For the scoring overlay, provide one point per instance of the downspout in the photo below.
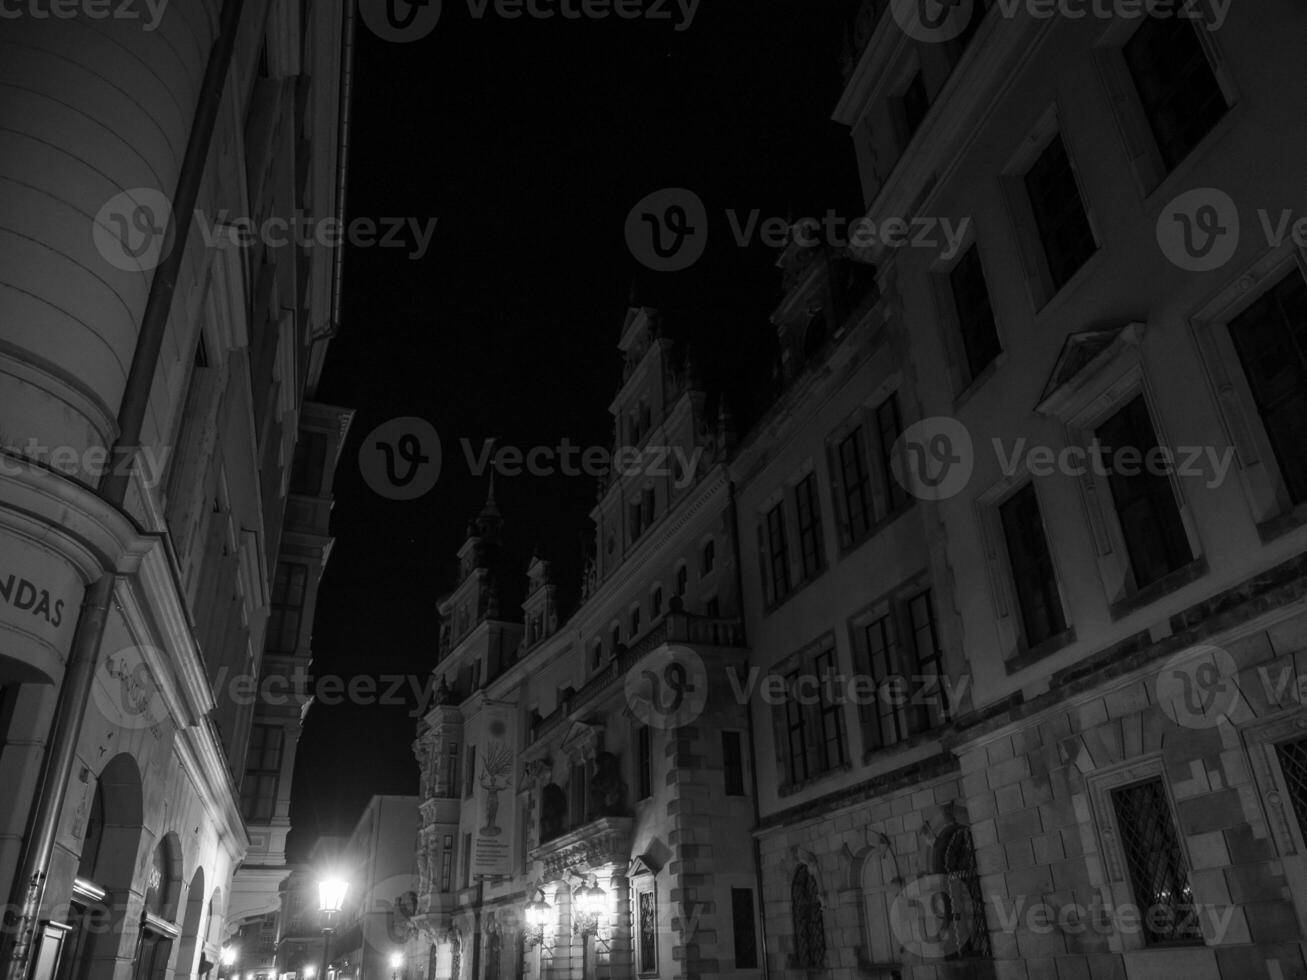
(342, 164)
(28, 891)
(753, 750)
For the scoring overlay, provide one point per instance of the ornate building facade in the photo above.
(156, 386)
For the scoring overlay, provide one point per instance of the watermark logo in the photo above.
(667, 231)
(401, 459)
(1198, 687)
(305, 230)
(132, 231)
(149, 12)
(932, 917)
(668, 688)
(1199, 230)
(933, 21)
(933, 458)
(127, 693)
(401, 21)
(1211, 13)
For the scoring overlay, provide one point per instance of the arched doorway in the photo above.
(159, 930)
(190, 955)
(110, 842)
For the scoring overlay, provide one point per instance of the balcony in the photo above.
(600, 842)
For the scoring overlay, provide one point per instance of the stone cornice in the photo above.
(600, 842)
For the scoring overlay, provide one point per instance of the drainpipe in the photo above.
(342, 162)
(753, 751)
(28, 891)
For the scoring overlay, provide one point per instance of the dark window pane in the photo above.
(733, 763)
(809, 923)
(1177, 87)
(853, 474)
(975, 315)
(1271, 339)
(310, 460)
(744, 929)
(778, 553)
(1059, 213)
(1145, 506)
(913, 105)
(810, 544)
(1158, 872)
(890, 427)
(1032, 566)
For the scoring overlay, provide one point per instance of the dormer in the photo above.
(540, 610)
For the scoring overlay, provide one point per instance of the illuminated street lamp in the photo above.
(396, 962)
(537, 916)
(227, 959)
(331, 899)
(310, 971)
(590, 905)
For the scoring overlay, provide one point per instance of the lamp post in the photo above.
(396, 962)
(590, 904)
(227, 959)
(331, 899)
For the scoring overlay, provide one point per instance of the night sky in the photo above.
(530, 141)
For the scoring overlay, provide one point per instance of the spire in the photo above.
(489, 521)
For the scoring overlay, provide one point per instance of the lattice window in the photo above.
(809, 923)
(1293, 762)
(648, 926)
(494, 949)
(957, 861)
(1159, 874)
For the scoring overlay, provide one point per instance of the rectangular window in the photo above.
(470, 773)
(467, 860)
(309, 464)
(644, 761)
(900, 650)
(796, 728)
(744, 929)
(1271, 340)
(1293, 763)
(580, 808)
(830, 713)
(1159, 874)
(733, 763)
(447, 864)
(647, 914)
(288, 586)
(451, 772)
(974, 312)
(778, 557)
(889, 425)
(1059, 213)
(1032, 566)
(810, 543)
(856, 485)
(1177, 88)
(262, 773)
(1145, 505)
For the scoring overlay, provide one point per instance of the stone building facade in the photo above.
(155, 381)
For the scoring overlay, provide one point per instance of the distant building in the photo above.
(162, 462)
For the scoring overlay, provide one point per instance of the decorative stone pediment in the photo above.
(601, 842)
(582, 741)
(643, 864)
(536, 773)
(1083, 356)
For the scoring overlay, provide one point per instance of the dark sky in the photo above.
(530, 141)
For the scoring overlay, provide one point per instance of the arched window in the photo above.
(809, 923)
(955, 858)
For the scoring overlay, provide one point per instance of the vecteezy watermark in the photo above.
(1103, 917)
(667, 231)
(1200, 229)
(934, 916)
(404, 21)
(135, 232)
(809, 690)
(306, 230)
(402, 459)
(668, 688)
(939, 21)
(934, 459)
(149, 12)
(89, 464)
(1199, 687)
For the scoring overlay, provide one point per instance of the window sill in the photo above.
(1282, 523)
(875, 529)
(1164, 586)
(1031, 655)
(789, 789)
(911, 742)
